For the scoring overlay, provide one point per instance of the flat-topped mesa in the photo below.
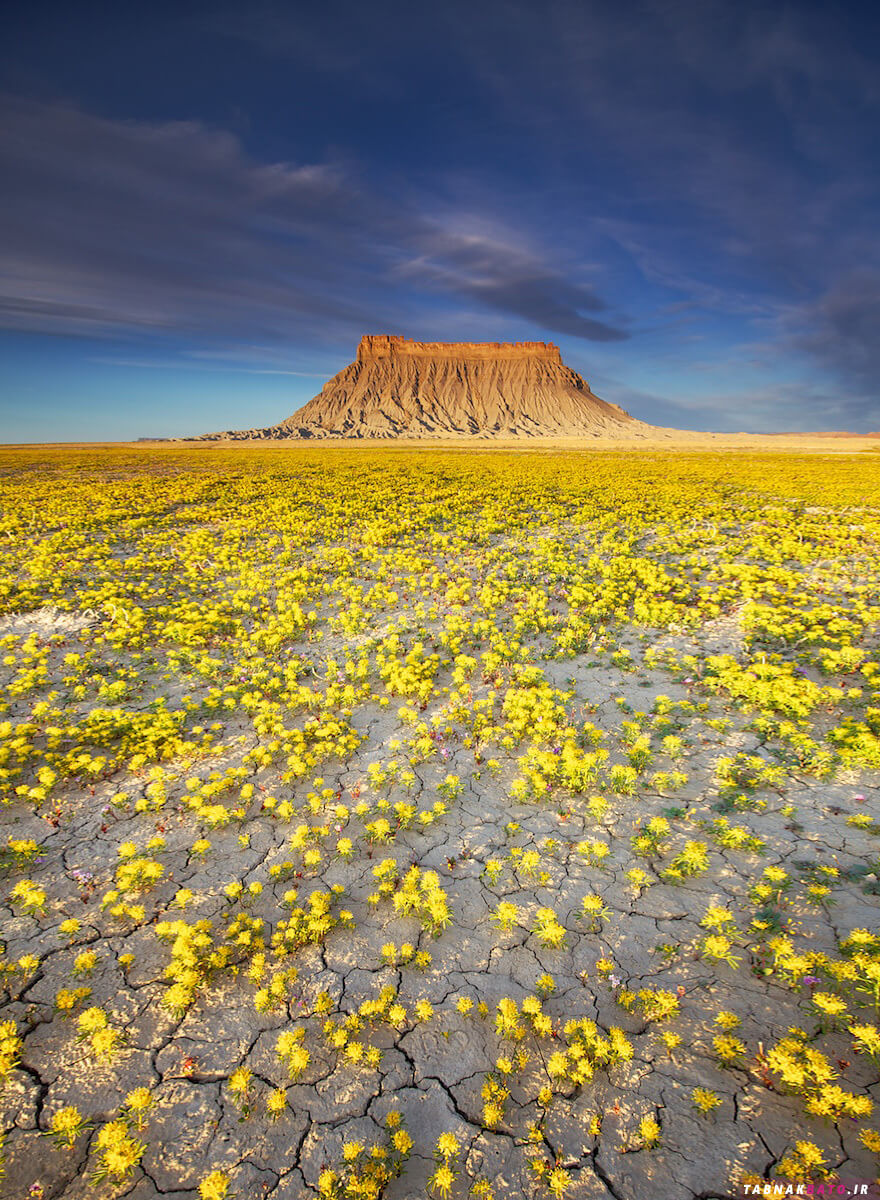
(397, 388)
(387, 345)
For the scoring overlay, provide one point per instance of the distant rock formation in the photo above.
(400, 388)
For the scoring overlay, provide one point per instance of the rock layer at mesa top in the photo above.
(402, 388)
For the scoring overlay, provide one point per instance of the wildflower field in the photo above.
(447, 823)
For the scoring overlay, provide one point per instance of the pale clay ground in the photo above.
(433, 1072)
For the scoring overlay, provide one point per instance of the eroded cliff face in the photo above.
(401, 388)
(387, 345)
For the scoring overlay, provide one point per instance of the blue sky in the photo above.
(206, 205)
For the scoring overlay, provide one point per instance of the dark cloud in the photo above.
(739, 140)
(112, 226)
(842, 331)
(779, 408)
(497, 272)
(751, 131)
(504, 169)
(774, 408)
(548, 302)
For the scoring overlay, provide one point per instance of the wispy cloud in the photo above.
(113, 226)
(739, 139)
(182, 364)
(685, 185)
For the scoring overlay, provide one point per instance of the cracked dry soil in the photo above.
(452, 807)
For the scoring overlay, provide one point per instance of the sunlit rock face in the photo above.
(401, 388)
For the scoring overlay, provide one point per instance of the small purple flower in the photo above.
(614, 980)
(810, 980)
(859, 799)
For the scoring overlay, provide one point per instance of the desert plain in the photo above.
(451, 820)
